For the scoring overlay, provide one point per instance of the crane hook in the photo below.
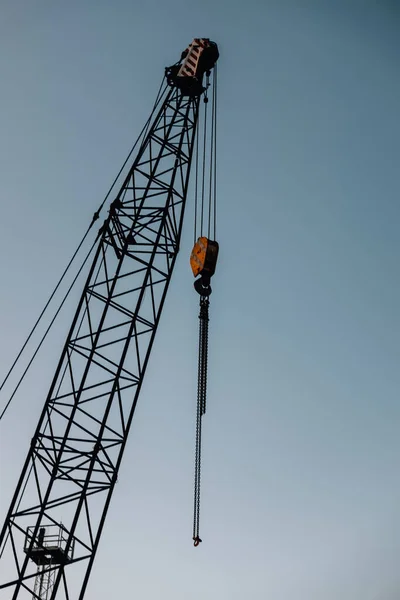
(197, 541)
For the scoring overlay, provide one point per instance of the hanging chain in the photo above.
(201, 409)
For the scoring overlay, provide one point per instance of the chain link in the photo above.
(201, 409)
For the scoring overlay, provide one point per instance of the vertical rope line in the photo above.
(215, 149)
(204, 167)
(211, 168)
(196, 191)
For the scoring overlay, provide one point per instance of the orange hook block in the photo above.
(203, 259)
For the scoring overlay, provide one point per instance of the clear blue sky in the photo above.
(301, 471)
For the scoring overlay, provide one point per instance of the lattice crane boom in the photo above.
(75, 453)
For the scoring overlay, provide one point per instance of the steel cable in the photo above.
(215, 148)
(94, 219)
(47, 331)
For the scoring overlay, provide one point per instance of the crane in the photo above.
(54, 523)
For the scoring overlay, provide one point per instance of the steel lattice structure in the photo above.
(77, 447)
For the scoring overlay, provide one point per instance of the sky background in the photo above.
(301, 477)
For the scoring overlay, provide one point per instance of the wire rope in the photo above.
(196, 179)
(215, 148)
(203, 166)
(94, 219)
(47, 331)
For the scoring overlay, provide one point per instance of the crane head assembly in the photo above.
(198, 58)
